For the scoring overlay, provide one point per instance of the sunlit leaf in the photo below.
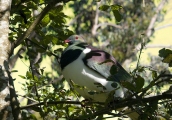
(22, 76)
(54, 40)
(14, 71)
(36, 78)
(115, 9)
(29, 75)
(46, 19)
(167, 59)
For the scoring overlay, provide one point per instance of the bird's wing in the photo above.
(101, 62)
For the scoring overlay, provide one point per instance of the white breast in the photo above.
(84, 76)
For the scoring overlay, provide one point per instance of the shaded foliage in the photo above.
(119, 38)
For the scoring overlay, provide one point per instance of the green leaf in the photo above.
(115, 9)
(167, 59)
(56, 10)
(47, 39)
(154, 74)
(141, 69)
(104, 7)
(58, 50)
(139, 83)
(113, 69)
(167, 55)
(54, 40)
(164, 52)
(36, 65)
(117, 15)
(14, 71)
(36, 78)
(46, 19)
(22, 76)
(42, 71)
(128, 85)
(29, 75)
(170, 64)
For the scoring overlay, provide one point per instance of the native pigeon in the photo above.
(87, 70)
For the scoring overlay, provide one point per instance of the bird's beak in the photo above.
(67, 41)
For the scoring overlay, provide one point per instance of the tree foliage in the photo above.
(39, 26)
(104, 28)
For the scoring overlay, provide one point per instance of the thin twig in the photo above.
(27, 97)
(151, 84)
(54, 103)
(94, 30)
(43, 48)
(164, 26)
(35, 85)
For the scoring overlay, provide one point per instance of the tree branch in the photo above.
(164, 26)
(57, 57)
(150, 28)
(153, 83)
(58, 102)
(126, 103)
(154, 18)
(25, 96)
(94, 30)
(158, 46)
(15, 57)
(50, 103)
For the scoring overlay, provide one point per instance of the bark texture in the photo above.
(5, 46)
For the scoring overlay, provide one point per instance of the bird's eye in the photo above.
(76, 37)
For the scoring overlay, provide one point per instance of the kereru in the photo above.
(89, 68)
